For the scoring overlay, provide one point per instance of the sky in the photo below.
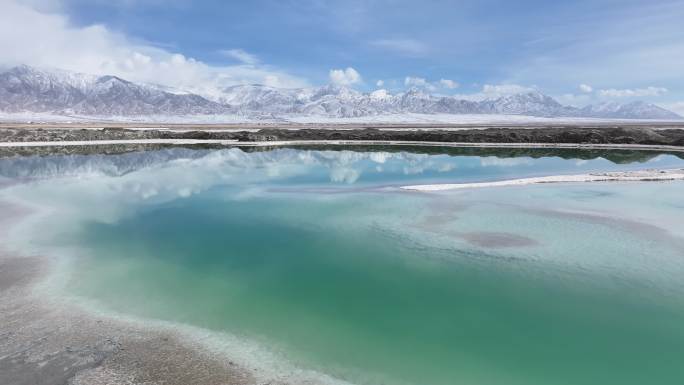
(579, 52)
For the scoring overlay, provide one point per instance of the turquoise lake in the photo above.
(316, 254)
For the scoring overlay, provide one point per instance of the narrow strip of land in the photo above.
(233, 142)
(465, 136)
(114, 142)
(617, 176)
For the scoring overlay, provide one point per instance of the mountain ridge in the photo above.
(28, 89)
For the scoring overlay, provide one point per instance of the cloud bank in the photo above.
(637, 92)
(240, 55)
(35, 34)
(640, 46)
(586, 88)
(345, 77)
(418, 82)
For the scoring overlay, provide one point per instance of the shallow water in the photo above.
(316, 255)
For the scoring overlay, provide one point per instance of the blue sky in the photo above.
(577, 51)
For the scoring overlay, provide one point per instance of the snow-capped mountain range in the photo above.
(26, 89)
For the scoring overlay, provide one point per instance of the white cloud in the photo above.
(418, 82)
(493, 91)
(344, 77)
(240, 55)
(448, 83)
(406, 47)
(412, 81)
(380, 83)
(505, 89)
(415, 81)
(38, 37)
(636, 92)
(586, 88)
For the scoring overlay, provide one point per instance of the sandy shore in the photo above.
(47, 340)
(44, 341)
(617, 176)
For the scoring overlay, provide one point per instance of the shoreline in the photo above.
(279, 143)
(610, 136)
(652, 175)
(48, 337)
(116, 142)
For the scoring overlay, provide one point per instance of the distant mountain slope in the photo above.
(342, 102)
(633, 110)
(27, 89)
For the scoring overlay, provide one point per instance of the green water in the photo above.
(562, 284)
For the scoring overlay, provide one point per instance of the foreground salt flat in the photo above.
(617, 176)
(51, 338)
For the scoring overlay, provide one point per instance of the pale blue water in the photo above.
(317, 255)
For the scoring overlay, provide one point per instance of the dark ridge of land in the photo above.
(555, 135)
(625, 134)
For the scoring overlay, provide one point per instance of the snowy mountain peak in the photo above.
(336, 91)
(633, 110)
(27, 89)
(416, 92)
(45, 79)
(380, 94)
(111, 79)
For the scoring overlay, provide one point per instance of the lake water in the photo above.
(314, 253)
